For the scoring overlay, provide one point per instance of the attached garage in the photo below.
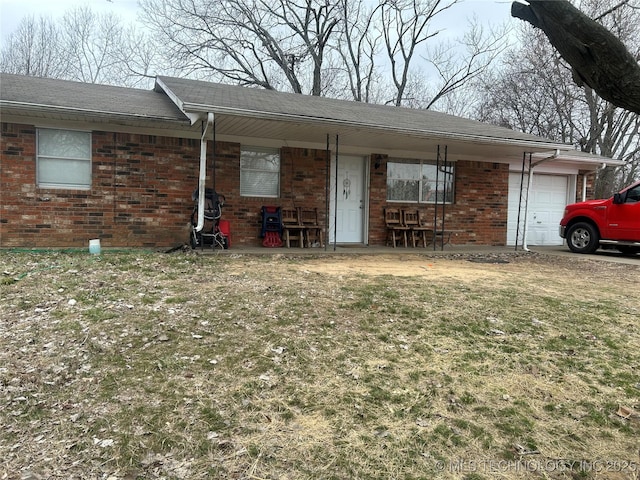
(549, 196)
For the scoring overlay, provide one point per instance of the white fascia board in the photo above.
(193, 116)
(55, 109)
(587, 160)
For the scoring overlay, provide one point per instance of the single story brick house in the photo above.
(82, 161)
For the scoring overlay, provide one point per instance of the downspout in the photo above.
(584, 181)
(525, 232)
(525, 247)
(203, 172)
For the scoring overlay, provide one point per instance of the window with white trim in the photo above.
(259, 172)
(419, 181)
(63, 159)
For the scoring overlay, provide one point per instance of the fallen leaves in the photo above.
(126, 366)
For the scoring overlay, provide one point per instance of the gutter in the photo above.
(195, 110)
(532, 166)
(262, 115)
(203, 172)
(38, 107)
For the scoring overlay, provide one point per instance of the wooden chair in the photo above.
(292, 229)
(417, 229)
(395, 225)
(313, 230)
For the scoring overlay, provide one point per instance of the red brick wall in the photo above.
(142, 185)
(140, 194)
(478, 214)
(589, 178)
(297, 189)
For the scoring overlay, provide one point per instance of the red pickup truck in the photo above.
(610, 223)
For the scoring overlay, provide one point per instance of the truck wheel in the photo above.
(583, 238)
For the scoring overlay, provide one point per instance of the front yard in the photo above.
(136, 365)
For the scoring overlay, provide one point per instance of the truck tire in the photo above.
(582, 237)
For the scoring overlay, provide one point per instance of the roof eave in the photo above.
(592, 161)
(27, 107)
(193, 117)
(201, 109)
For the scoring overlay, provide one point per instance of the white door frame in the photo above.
(364, 209)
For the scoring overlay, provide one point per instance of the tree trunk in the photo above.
(598, 58)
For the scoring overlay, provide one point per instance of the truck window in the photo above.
(633, 195)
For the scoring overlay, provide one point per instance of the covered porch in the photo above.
(337, 156)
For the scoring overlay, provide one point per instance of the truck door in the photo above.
(624, 218)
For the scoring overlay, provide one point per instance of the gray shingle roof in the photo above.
(201, 96)
(35, 92)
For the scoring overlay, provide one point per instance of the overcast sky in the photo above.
(12, 11)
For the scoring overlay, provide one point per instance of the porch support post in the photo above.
(435, 207)
(335, 204)
(524, 159)
(444, 194)
(213, 172)
(327, 193)
(525, 247)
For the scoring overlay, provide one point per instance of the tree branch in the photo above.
(599, 59)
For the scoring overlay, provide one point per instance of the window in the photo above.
(259, 172)
(64, 159)
(419, 181)
(633, 195)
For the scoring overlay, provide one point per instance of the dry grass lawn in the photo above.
(134, 365)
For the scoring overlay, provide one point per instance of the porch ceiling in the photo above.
(365, 139)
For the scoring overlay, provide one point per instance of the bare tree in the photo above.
(35, 48)
(458, 64)
(139, 60)
(272, 44)
(90, 42)
(358, 45)
(81, 46)
(426, 71)
(534, 92)
(406, 24)
(320, 47)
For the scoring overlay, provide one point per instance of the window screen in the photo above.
(259, 172)
(64, 159)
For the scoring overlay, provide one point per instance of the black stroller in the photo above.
(215, 232)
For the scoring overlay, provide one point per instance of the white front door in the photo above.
(346, 223)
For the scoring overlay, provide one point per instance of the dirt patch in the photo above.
(405, 266)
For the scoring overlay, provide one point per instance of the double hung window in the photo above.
(63, 159)
(259, 172)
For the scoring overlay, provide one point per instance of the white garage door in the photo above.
(546, 206)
